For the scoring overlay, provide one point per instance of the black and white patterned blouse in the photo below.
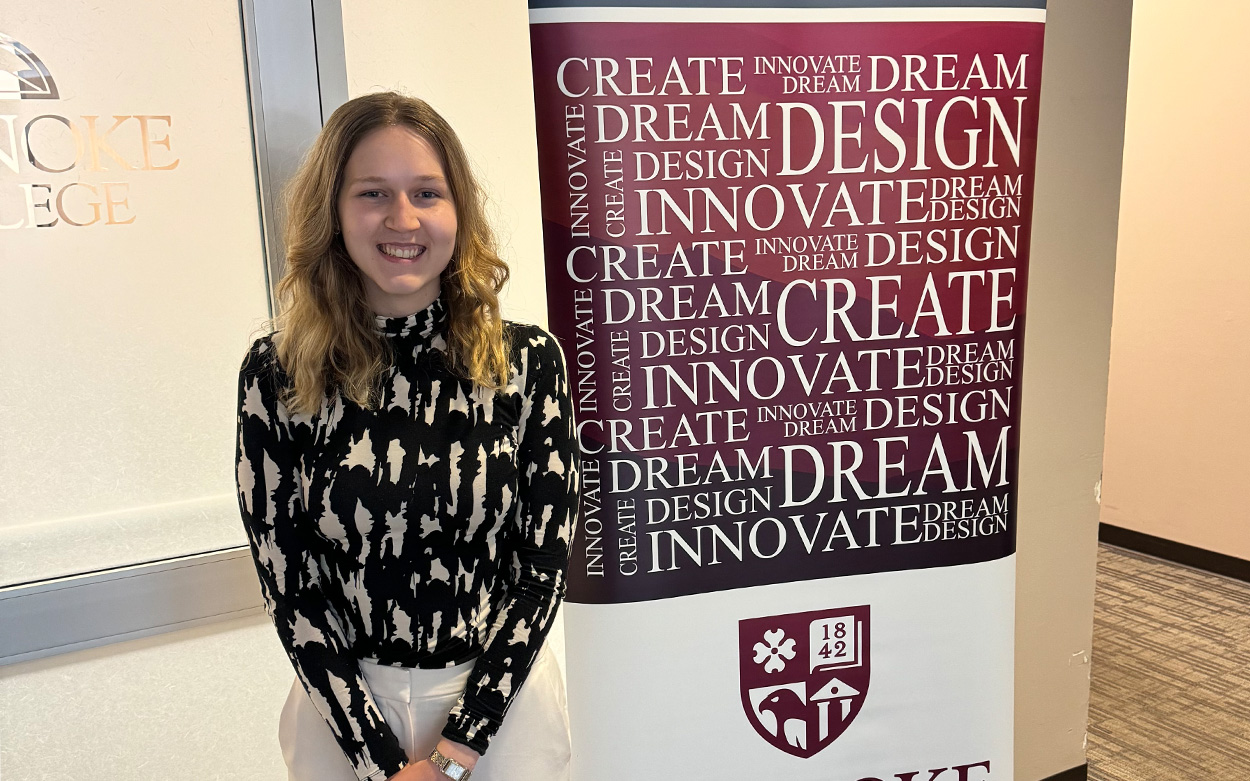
(429, 531)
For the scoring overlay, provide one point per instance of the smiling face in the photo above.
(398, 219)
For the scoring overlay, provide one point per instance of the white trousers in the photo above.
(531, 745)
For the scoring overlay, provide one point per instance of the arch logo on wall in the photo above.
(23, 76)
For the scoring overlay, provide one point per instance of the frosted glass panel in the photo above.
(131, 278)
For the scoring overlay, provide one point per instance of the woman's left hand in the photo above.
(419, 771)
(459, 752)
(425, 770)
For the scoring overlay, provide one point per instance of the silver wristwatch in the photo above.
(450, 767)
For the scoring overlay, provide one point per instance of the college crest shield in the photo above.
(804, 676)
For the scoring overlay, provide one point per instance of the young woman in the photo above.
(407, 470)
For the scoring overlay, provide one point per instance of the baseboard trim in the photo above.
(72, 613)
(1075, 774)
(1190, 556)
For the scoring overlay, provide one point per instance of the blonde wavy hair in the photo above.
(326, 336)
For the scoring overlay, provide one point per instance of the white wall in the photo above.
(199, 703)
(1067, 331)
(1178, 417)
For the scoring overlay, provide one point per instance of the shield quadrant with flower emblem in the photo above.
(804, 676)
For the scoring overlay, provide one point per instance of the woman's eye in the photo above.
(428, 194)
(371, 194)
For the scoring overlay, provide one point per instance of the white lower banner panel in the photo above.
(656, 687)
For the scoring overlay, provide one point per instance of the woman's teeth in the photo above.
(406, 253)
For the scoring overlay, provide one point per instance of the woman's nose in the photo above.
(404, 215)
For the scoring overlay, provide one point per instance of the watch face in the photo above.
(454, 771)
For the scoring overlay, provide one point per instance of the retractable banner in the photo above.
(786, 250)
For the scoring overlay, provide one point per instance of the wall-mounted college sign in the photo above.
(786, 247)
(38, 142)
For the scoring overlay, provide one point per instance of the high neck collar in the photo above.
(422, 325)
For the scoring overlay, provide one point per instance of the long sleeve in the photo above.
(270, 500)
(547, 505)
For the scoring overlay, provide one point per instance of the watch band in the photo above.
(450, 767)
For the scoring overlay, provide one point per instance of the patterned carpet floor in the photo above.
(1170, 693)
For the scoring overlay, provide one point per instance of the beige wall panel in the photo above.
(1178, 419)
(1065, 376)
